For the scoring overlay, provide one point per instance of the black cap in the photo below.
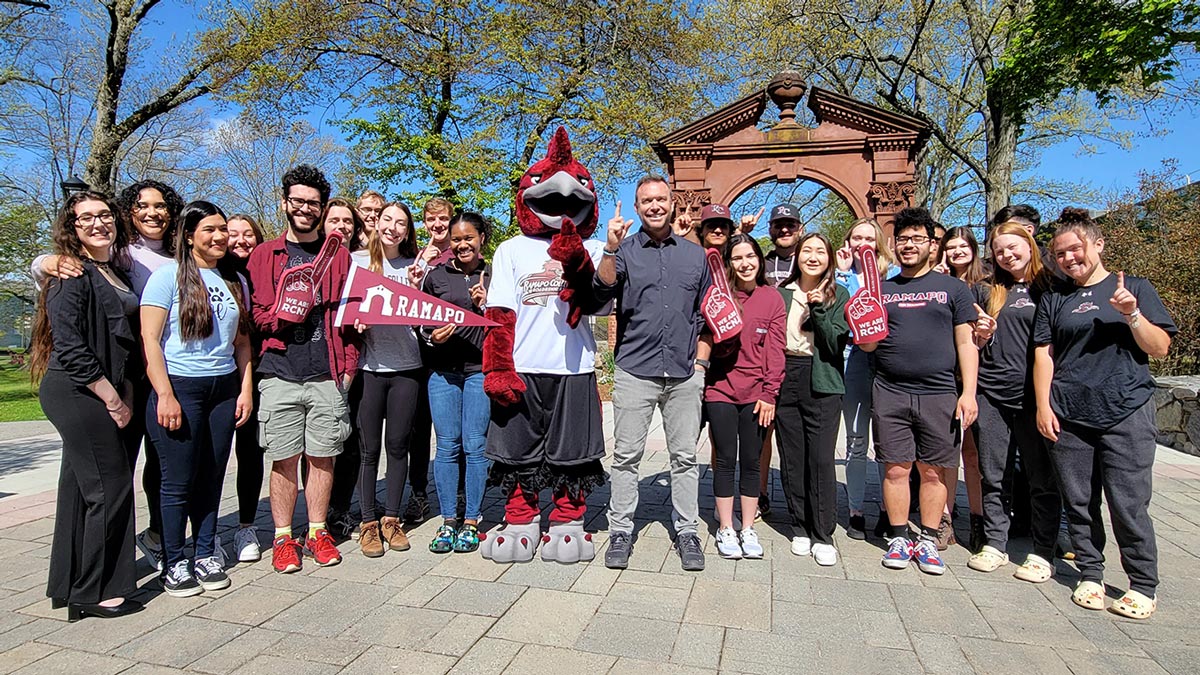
(784, 212)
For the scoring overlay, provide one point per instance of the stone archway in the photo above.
(863, 153)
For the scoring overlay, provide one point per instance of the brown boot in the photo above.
(945, 538)
(394, 535)
(369, 540)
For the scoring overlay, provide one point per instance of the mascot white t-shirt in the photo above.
(526, 280)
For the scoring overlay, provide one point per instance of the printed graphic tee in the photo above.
(306, 355)
(389, 349)
(1005, 363)
(195, 358)
(918, 356)
(526, 280)
(1101, 376)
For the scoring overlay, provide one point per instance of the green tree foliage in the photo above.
(1093, 45)
(1152, 233)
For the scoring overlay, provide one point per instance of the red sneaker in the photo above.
(285, 554)
(323, 549)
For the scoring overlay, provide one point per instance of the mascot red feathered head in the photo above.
(557, 188)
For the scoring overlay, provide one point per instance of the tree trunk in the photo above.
(1002, 132)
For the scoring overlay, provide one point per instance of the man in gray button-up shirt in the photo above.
(659, 281)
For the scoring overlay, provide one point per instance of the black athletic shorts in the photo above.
(557, 421)
(914, 427)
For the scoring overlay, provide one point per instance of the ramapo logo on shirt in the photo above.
(539, 288)
(1021, 302)
(1085, 307)
(908, 300)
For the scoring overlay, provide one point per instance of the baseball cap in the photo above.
(715, 212)
(784, 212)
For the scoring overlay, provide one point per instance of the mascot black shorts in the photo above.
(557, 421)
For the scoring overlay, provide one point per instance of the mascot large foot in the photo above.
(568, 543)
(511, 543)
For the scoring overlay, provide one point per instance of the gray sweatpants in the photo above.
(634, 402)
(1119, 460)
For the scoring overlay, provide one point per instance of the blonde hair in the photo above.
(437, 205)
(1002, 280)
(883, 257)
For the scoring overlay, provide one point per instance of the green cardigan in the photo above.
(830, 333)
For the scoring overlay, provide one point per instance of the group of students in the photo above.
(163, 330)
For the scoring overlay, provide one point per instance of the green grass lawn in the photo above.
(18, 397)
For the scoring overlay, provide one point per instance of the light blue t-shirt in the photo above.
(198, 358)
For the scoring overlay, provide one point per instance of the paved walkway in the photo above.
(416, 612)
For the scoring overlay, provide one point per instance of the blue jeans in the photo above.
(193, 459)
(461, 413)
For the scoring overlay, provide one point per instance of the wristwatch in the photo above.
(703, 363)
(608, 252)
(1134, 317)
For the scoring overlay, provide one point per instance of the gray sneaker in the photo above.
(691, 555)
(620, 545)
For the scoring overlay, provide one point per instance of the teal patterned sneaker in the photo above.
(443, 541)
(467, 539)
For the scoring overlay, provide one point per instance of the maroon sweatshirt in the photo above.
(751, 370)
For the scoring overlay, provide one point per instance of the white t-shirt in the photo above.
(526, 280)
(389, 349)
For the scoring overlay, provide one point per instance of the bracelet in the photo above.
(1136, 312)
(608, 252)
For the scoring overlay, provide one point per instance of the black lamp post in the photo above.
(73, 184)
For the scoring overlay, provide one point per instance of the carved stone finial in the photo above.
(786, 89)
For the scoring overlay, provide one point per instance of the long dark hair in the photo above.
(66, 243)
(129, 198)
(759, 279)
(828, 277)
(408, 245)
(974, 272)
(195, 307)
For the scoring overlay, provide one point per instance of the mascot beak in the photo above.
(560, 196)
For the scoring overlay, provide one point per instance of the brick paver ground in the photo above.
(416, 612)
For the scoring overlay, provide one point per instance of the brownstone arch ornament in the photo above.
(863, 153)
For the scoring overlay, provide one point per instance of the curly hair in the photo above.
(130, 196)
(308, 176)
(914, 217)
(1078, 221)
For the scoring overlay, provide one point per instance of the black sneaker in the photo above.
(418, 508)
(211, 574)
(178, 581)
(764, 506)
(691, 554)
(857, 528)
(341, 524)
(620, 545)
(882, 527)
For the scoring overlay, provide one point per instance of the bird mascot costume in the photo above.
(539, 364)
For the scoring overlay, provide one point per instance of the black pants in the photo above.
(806, 427)
(419, 440)
(151, 472)
(193, 460)
(348, 464)
(1120, 461)
(250, 466)
(737, 437)
(1003, 434)
(391, 397)
(91, 557)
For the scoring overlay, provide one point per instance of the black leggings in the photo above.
(348, 464)
(390, 396)
(737, 437)
(418, 442)
(249, 466)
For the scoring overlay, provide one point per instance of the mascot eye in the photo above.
(534, 179)
(583, 180)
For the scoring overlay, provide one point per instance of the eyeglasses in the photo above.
(365, 210)
(917, 239)
(89, 219)
(297, 203)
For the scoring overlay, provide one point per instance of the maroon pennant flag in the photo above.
(297, 290)
(720, 311)
(865, 312)
(373, 299)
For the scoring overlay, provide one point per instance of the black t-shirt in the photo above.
(1005, 363)
(778, 268)
(306, 356)
(1101, 376)
(918, 356)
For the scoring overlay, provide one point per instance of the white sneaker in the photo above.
(750, 546)
(825, 554)
(245, 542)
(728, 545)
(801, 546)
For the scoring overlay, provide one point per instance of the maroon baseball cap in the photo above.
(715, 212)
